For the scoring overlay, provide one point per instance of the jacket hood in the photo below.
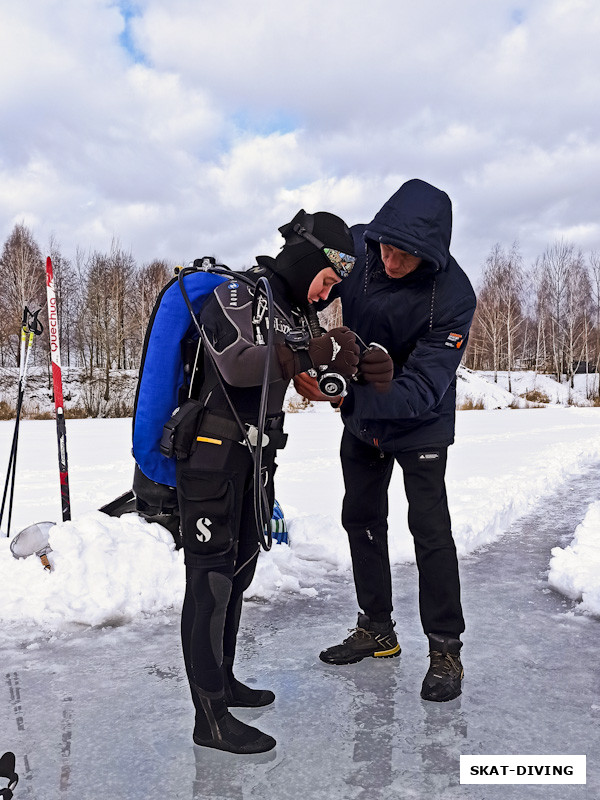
(416, 219)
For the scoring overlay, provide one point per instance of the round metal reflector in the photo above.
(31, 539)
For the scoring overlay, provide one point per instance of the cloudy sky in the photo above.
(193, 127)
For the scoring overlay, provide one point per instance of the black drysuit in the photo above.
(215, 483)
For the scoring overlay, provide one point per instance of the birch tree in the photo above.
(499, 315)
(22, 283)
(568, 300)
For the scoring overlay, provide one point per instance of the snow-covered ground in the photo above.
(111, 570)
(527, 389)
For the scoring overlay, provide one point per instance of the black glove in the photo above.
(377, 367)
(336, 350)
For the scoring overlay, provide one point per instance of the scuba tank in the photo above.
(165, 372)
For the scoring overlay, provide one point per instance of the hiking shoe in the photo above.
(443, 679)
(376, 639)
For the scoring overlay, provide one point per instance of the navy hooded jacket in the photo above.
(422, 319)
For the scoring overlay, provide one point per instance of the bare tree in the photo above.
(487, 330)
(150, 281)
(499, 315)
(594, 262)
(579, 312)
(123, 278)
(512, 279)
(555, 263)
(84, 338)
(568, 299)
(534, 330)
(21, 283)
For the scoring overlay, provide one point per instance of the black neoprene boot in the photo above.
(216, 727)
(443, 679)
(238, 695)
(376, 639)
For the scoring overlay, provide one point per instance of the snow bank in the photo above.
(317, 548)
(575, 570)
(105, 571)
(80, 392)
(524, 381)
(472, 388)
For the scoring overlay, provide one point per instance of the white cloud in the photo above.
(239, 113)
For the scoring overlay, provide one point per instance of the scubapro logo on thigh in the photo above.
(203, 525)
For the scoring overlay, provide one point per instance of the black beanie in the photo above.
(302, 256)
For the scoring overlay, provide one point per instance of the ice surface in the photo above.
(98, 713)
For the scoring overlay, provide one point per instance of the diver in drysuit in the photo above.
(215, 482)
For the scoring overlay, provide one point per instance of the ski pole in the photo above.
(18, 413)
(30, 327)
(61, 429)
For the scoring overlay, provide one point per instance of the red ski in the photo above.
(61, 429)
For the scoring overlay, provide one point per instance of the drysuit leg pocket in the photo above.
(207, 507)
(180, 430)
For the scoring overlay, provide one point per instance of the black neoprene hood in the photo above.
(301, 258)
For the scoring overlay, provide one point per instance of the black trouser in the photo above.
(220, 541)
(367, 473)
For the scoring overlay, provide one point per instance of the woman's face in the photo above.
(321, 284)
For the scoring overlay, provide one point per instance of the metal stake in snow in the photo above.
(61, 430)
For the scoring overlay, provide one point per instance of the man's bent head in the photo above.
(398, 263)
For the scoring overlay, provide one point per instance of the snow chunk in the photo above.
(575, 570)
(318, 546)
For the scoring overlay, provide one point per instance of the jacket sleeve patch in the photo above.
(455, 340)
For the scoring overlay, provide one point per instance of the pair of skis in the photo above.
(31, 327)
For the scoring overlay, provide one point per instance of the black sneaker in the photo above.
(443, 679)
(376, 639)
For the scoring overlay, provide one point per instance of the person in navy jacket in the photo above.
(408, 296)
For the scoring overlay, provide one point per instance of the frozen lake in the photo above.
(106, 713)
